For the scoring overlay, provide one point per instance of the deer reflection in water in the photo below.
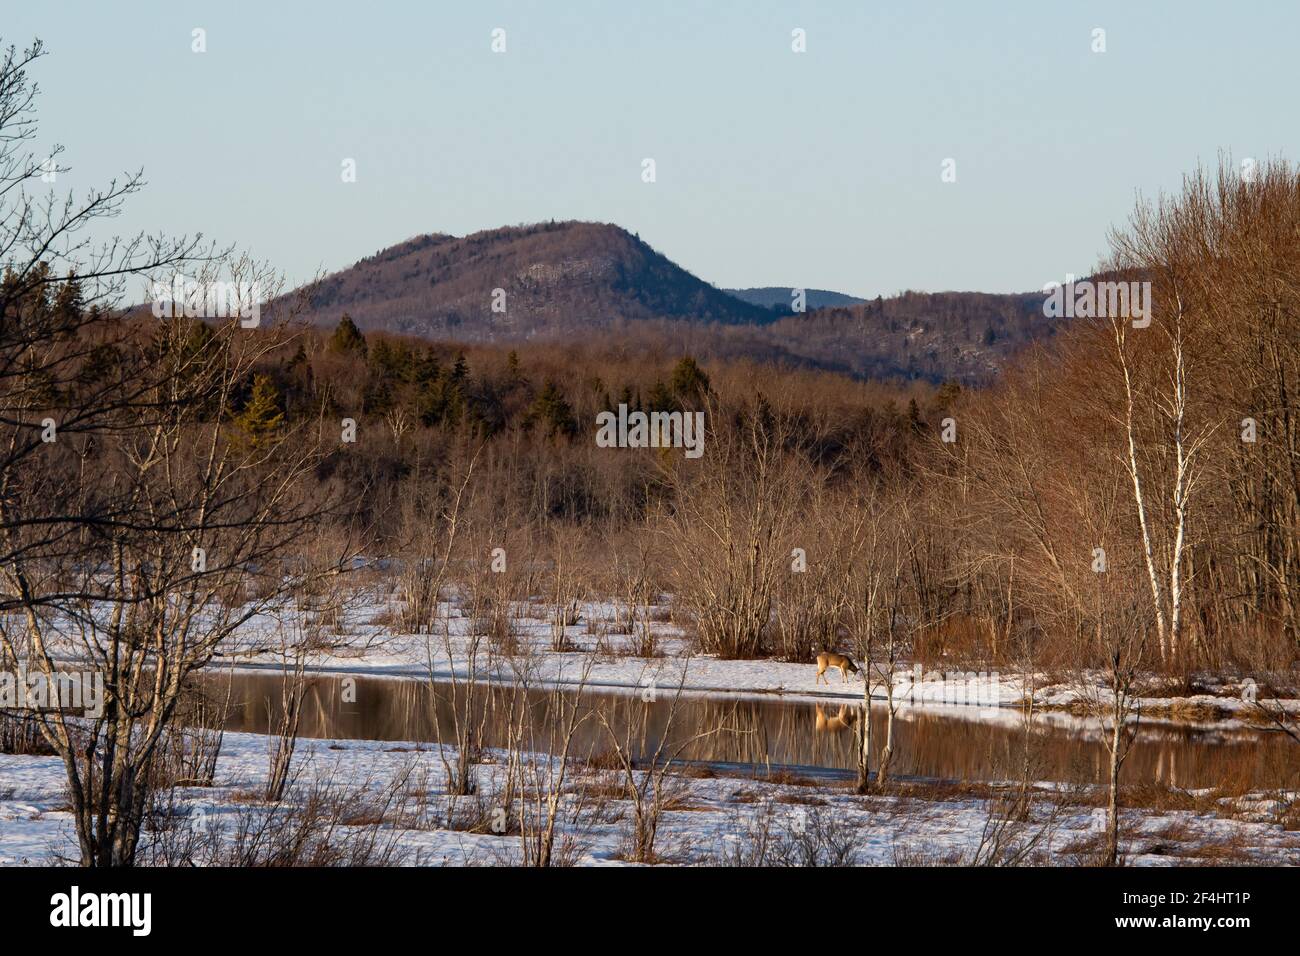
(841, 721)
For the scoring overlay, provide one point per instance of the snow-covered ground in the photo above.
(601, 654)
(711, 820)
(600, 657)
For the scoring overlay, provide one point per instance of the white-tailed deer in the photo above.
(827, 660)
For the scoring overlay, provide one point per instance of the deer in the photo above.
(826, 660)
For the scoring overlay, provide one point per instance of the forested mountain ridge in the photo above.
(565, 280)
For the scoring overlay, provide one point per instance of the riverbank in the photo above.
(597, 657)
(391, 799)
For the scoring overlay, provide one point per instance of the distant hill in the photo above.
(778, 298)
(961, 336)
(572, 280)
(553, 277)
(965, 336)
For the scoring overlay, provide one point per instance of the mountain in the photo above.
(553, 278)
(569, 281)
(778, 298)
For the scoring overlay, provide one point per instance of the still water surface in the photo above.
(767, 733)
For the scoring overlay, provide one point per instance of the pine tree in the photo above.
(661, 399)
(689, 382)
(946, 396)
(69, 303)
(553, 411)
(347, 337)
(459, 369)
(260, 422)
(914, 416)
(384, 357)
(442, 401)
(424, 371)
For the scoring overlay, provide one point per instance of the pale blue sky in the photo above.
(819, 169)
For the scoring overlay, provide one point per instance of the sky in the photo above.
(816, 169)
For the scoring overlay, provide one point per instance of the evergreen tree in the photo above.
(424, 371)
(260, 422)
(347, 338)
(553, 412)
(69, 303)
(299, 359)
(661, 399)
(914, 416)
(442, 401)
(946, 396)
(689, 382)
(459, 370)
(180, 346)
(378, 395)
(383, 357)
(298, 376)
